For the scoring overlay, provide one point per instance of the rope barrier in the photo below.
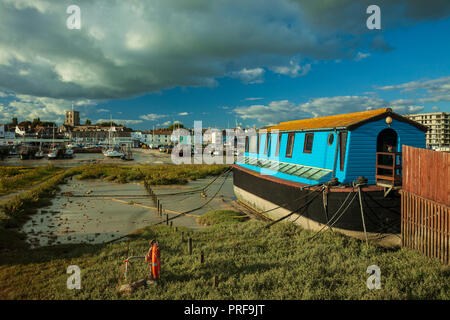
(295, 211)
(180, 214)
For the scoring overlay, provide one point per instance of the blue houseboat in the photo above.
(342, 171)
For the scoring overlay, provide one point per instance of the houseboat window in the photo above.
(290, 145)
(330, 139)
(307, 147)
(267, 146)
(277, 151)
(342, 147)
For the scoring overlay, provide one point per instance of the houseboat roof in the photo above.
(348, 121)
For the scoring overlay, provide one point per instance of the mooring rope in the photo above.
(181, 213)
(337, 211)
(296, 211)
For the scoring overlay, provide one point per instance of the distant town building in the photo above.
(72, 118)
(438, 136)
(100, 137)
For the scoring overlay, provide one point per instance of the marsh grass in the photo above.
(250, 262)
(156, 175)
(16, 178)
(221, 217)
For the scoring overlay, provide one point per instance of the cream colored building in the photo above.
(72, 118)
(438, 136)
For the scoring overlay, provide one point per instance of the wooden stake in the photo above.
(167, 219)
(190, 245)
(215, 282)
(182, 237)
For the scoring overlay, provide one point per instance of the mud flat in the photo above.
(86, 211)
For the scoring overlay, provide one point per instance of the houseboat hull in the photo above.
(275, 198)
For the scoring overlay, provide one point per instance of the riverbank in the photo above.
(249, 261)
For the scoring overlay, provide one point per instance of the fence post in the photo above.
(190, 246)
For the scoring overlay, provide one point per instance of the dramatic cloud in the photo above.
(434, 90)
(284, 110)
(27, 107)
(128, 47)
(272, 113)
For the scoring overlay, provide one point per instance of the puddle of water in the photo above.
(72, 219)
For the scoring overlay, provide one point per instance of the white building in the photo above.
(438, 135)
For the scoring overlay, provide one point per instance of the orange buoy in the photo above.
(156, 266)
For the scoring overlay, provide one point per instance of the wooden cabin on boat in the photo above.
(344, 146)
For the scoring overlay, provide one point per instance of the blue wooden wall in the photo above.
(360, 154)
(362, 146)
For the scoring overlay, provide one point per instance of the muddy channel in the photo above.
(94, 211)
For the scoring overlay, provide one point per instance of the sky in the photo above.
(151, 63)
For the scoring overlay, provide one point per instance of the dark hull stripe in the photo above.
(382, 215)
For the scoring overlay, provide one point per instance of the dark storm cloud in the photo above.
(127, 48)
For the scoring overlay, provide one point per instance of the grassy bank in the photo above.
(221, 217)
(16, 178)
(251, 263)
(156, 175)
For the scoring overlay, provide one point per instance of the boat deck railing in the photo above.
(388, 168)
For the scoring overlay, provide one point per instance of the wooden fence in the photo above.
(425, 202)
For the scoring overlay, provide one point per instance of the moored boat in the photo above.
(311, 171)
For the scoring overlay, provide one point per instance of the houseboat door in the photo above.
(388, 159)
(387, 141)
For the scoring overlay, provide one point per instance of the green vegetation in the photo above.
(155, 175)
(15, 178)
(14, 212)
(250, 262)
(221, 216)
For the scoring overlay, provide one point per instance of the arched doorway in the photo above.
(388, 167)
(387, 141)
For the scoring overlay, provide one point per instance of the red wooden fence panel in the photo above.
(425, 202)
(426, 173)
